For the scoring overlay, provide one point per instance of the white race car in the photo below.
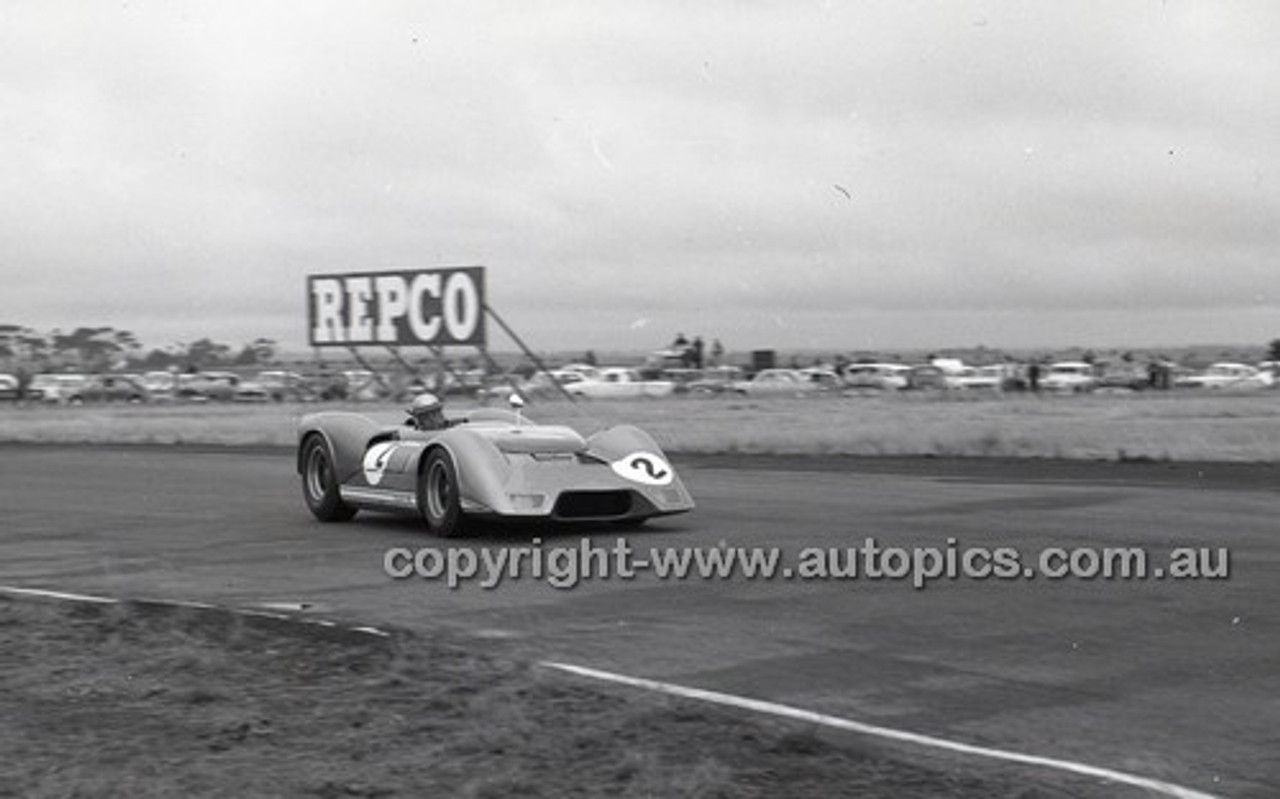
(489, 463)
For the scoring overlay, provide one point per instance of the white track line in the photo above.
(178, 603)
(98, 600)
(785, 711)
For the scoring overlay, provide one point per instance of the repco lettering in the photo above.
(432, 307)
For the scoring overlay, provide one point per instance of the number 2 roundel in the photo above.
(644, 467)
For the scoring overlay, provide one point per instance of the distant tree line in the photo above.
(103, 349)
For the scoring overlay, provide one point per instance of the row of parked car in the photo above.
(227, 387)
(1059, 377)
(213, 386)
(617, 382)
(591, 382)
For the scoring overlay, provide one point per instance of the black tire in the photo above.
(320, 483)
(439, 499)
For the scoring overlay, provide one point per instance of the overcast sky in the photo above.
(841, 175)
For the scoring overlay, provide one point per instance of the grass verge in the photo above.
(1174, 426)
(140, 701)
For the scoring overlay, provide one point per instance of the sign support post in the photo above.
(537, 362)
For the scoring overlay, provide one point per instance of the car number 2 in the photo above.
(644, 467)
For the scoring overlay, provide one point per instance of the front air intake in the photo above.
(593, 505)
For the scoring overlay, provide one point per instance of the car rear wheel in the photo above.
(438, 497)
(320, 483)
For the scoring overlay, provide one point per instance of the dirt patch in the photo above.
(131, 700)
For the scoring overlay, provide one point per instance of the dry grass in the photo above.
(131, 702)
(1157, 427)
(1177, 426)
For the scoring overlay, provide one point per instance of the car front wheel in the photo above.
(439, 499)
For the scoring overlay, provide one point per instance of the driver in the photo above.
(427, 413)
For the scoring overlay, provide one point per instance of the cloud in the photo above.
(184, 165)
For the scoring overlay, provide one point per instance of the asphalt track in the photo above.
(1174, 680)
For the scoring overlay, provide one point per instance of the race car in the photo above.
(487, 463)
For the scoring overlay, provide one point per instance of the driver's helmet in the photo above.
(427, 412)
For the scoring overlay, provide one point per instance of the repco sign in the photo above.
(432, 307)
